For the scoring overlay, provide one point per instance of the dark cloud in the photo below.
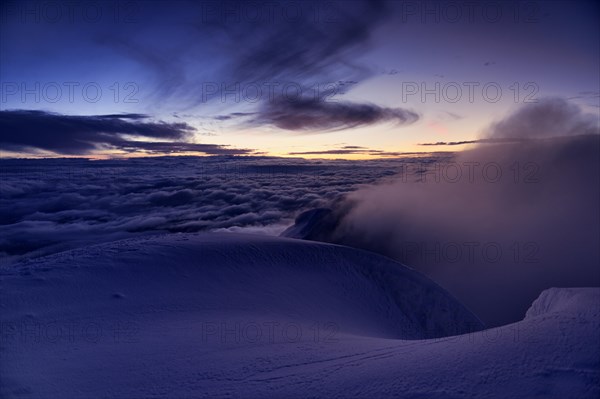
(320, 63)
(233, 115)
(326, 51)
(175, 147)
(479, 141)
(118, 116)
(316, 115)
(24, 130)
(331, 152)
(353, 150)
(450, 143)
(549, 117)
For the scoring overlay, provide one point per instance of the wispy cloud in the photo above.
(327, 52)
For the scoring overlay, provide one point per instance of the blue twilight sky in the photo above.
(346, 79)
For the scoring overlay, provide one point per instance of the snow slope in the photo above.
(315, 225)
(215, 315)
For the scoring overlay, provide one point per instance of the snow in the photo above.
(221, 315)
(313, 224)
(555, 299)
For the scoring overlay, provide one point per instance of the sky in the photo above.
(387, 88)
(328, 79)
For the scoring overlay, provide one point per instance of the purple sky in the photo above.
(314, 79)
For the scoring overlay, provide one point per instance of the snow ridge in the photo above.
(553, 300)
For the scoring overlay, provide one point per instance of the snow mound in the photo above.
(255, 277)
(554, 300)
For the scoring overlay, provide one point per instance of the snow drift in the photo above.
(221, 315)
(250, 276)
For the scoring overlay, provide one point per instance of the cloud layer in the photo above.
(55, 204)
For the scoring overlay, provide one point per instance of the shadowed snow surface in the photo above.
(213, 315)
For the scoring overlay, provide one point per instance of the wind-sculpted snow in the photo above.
(226, 315)
(558, 299)
(356, 291)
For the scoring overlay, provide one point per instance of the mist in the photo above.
(499, 223)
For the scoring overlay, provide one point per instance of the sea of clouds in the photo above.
(50, 205)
